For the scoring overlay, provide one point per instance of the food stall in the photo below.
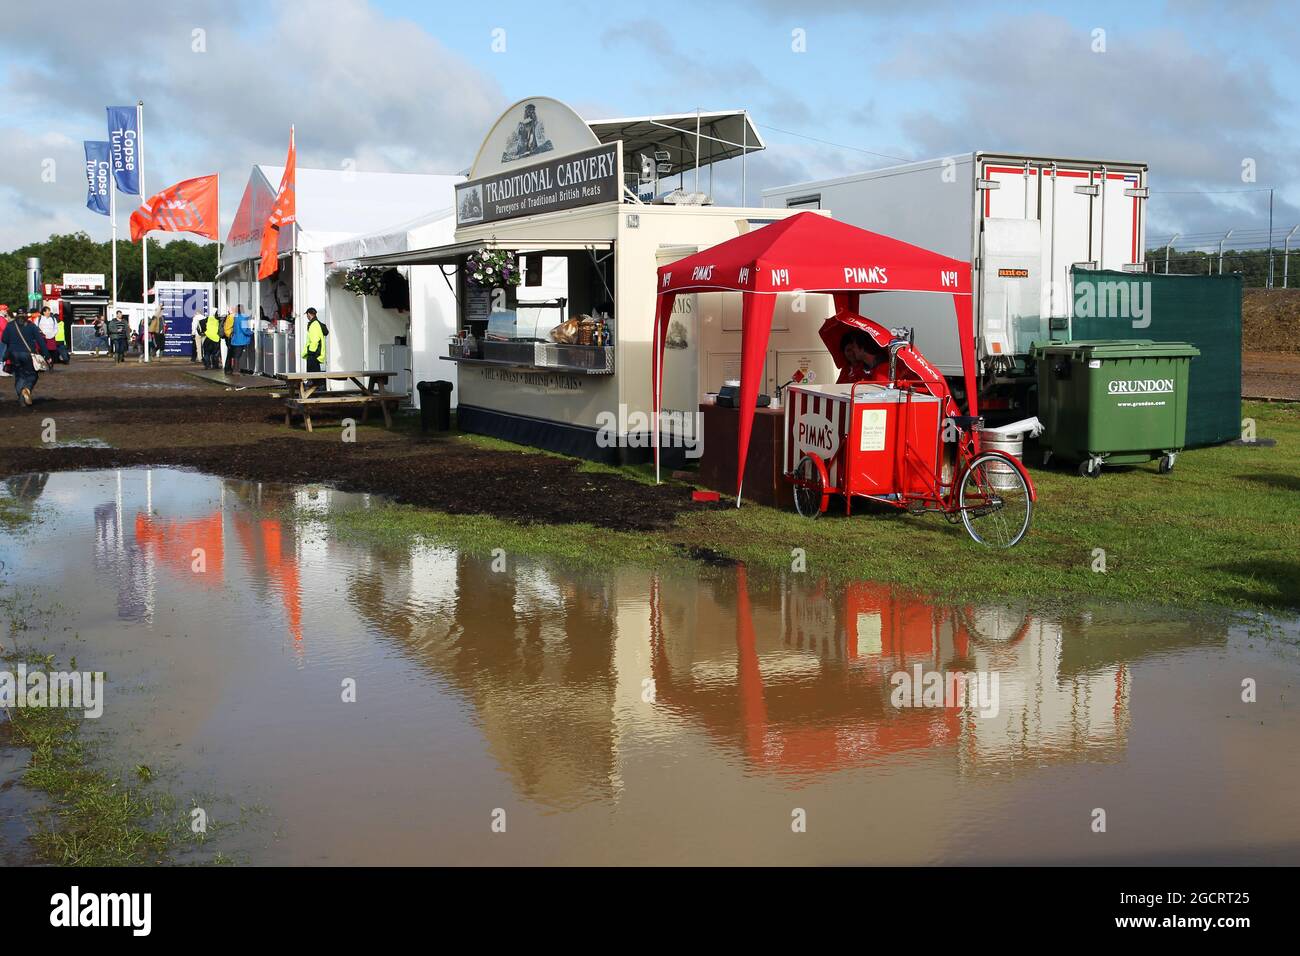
(809, 251)
(78, 302)
(559, 229)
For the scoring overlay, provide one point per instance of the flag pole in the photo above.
(112, 213)
(144, 246)
(299, 333)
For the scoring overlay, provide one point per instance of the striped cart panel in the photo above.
(834, 408)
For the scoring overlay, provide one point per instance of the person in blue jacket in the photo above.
(22, 339)
(240, 337)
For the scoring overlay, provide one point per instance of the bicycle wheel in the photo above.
(809, 488)
(994, 501)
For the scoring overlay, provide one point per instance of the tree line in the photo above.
(77, 252)
(1251, 263)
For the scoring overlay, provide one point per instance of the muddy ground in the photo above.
(1270, 320)
(160, 415)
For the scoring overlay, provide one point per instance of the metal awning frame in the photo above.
(452, 253)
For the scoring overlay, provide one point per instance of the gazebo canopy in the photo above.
(808, 252)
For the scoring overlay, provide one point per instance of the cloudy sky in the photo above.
(1193, 88)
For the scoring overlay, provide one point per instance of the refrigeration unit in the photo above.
(397, 358)
(1023, 222)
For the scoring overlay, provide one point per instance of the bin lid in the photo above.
(1119, 349)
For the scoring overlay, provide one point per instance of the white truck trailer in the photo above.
(1022, 222)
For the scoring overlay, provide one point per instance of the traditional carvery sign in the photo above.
(578, 179)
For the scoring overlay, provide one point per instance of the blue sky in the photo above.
(1193, 88)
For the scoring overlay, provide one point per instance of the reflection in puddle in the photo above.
(635, 715)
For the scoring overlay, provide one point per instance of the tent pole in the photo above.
(744, 155)
(697, 149)
(654, 390)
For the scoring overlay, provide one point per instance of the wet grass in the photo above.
(95, 818)
(1222, 530)
(16, 516)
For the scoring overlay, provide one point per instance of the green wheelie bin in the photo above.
(1113, 402)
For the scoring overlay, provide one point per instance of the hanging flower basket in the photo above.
(363, 281)
(492, 269)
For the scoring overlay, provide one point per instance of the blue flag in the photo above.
(124, 143)
(97, 182)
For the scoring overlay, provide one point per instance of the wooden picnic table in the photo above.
(371, 389)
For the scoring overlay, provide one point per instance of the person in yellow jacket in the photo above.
(60, 342)
(212, 341)
(313, 347)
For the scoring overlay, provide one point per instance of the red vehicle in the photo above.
(895, 437)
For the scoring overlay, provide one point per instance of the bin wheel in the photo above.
(810, 480)
(1167, 463)
(1090, 468)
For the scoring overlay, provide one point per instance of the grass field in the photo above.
(1223, 529)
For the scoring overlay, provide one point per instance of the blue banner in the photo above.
(97, 181)
(124, 143)
(180, 306)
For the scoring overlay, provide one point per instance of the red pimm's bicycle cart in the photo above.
(897, 438)
(887, 443)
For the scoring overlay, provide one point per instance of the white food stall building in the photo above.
(585, 213)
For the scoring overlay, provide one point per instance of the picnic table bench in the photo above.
(371, 389)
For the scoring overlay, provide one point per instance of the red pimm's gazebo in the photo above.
(811, 253)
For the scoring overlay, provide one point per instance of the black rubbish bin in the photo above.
(435, 406)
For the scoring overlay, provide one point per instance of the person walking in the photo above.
(241, 334)
(101, 334)
(157, 336)
(26, 354)
(118, 330)
(49, 329)
(313, 348)
(196, 334)
(4, 322)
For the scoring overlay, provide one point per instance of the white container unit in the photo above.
(1022, 222)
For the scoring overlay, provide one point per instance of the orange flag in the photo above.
(283, 212)
(189, 206)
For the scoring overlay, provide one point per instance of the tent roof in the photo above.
(814, 253)
(394, 239)
(724, 134)
(333, 204)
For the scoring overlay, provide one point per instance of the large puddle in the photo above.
(631, 716)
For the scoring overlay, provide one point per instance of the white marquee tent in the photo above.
(362, 327)
(332, 206)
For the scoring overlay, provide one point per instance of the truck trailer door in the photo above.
(1010, 279)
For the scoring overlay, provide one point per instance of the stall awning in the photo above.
(450, 253)
(724, 134)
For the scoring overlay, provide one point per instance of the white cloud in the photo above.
(1032, 84)
(359, 86)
